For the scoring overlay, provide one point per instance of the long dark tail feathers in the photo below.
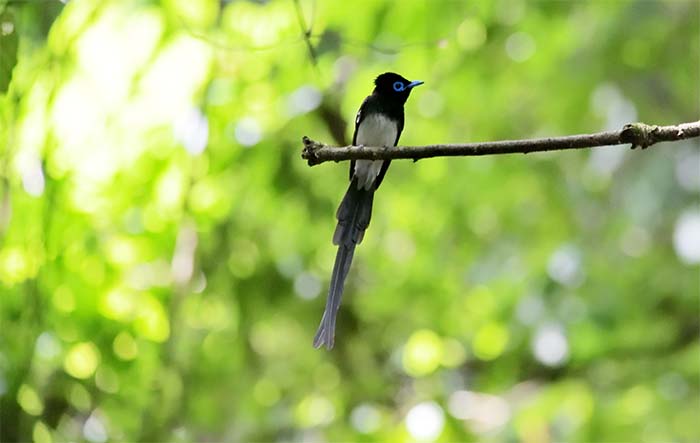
(326, 330)
(354, 214)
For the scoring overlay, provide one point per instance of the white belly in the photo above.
(375, 130)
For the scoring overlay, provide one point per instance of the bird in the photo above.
(379, 122)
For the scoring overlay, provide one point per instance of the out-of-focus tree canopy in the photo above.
(165, 252)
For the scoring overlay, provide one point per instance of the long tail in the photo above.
(354, 214)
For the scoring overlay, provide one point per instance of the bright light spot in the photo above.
(170, 191)
(463, 404)
(82, 360)
(14, 266)
(248, 132)
(303, 100)
(33, 176)
(6, 28)
(199, 283)
(400, 246)
(172, 80)
(112, 50)
(635, 241)
(290, 265)
(307, 286)
(47, 346)
(565, 266)
(41, 433)
(125, 346)
(688, 169)
(29, 400)
(686, 237)
(196, 15)
(152, 321)
(530, 309)
(430, 104)
(121, 250)
(471, 34)
(490, 341)
(608, 102)
(485, 412)
(343, 69)
(210, 196)
(191, 129)
(520, 46)
(118, 304)
(453, 354)
(550, 346)
(314, 410)
(422, 353)
(425, 421)
(182, 265)
(94, 430)
(605, 161)
(147, 275)
(78, 122)
(365, 418)
(256, 26)
(221, 91)
(211, 313)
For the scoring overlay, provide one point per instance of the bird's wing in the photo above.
(358, 118)
(385, 165)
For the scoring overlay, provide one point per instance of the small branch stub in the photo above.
(638, 134)
(635, 134)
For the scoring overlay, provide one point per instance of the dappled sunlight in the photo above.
(81, 360)
(422, 353)
(425, 421)
(484, 413)
(686, 237)
(165, 253)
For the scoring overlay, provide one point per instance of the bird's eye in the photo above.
(398, 86)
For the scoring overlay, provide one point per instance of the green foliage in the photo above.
(8, 48)
(164, 251)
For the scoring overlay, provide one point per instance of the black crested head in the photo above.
(394, 87)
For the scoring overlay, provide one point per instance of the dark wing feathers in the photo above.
(358, 118)
(385, 166)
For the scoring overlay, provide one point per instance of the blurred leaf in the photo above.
(8, 48)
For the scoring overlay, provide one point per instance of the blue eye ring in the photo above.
(398, 86)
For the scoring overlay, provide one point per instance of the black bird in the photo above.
(379, 122)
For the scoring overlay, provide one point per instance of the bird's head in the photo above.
(394, 87)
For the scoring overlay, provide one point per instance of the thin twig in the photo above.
(306, 33)
(636, 134)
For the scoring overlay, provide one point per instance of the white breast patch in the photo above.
(375, 130)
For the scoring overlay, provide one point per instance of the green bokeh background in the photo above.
(165, 252)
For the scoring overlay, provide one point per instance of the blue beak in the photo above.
(415, 83)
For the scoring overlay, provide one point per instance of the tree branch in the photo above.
(306, 33)
(636, 134)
